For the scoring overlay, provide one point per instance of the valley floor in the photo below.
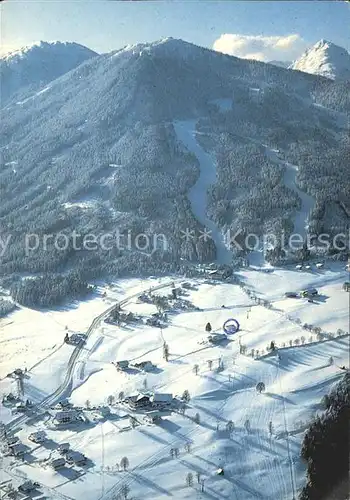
(257, 463)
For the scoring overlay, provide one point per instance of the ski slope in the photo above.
(256, 464)
(186, 134)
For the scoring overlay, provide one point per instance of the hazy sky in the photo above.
(263, 30)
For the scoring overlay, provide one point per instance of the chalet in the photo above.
(75, 458)
(160, 400)
(146, 366)
(122, 365)
(37, 437)
(66, 417)
(138, 401)
(57, 463)
(63, 448)
(346, 286)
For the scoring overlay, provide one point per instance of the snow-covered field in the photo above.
(256, 464)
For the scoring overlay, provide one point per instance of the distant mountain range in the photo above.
(88, 144)
(325, 59)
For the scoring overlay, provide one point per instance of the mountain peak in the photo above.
(325, 58)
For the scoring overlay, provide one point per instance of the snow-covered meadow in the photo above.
(257, 463)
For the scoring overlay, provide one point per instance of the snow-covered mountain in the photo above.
(29, 68)
(325, 59)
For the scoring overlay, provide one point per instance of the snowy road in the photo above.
(186, 134)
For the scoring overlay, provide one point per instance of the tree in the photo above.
(270, 428)
(176, 452)
(144, 383)
(302, 339)
(133, 422)
(87, 404)
(252, 353)
(197, 418)
(172, 452)
(110, 400)
(186, 396)
(272, 346)
(121, 396)
(124, 491)
(247, 425)
(230, 426)
(208, 327)
(165, 351)
(330, 361)
(260, 387)
(188, 447)
(124, 463)
(210, 364)
(198, 476)
(196, 369)
(189, 480)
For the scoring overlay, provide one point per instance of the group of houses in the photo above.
(146, 366)
(149, 401)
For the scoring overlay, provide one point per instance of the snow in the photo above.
(325, 59)
(186, 134)
(255, 464)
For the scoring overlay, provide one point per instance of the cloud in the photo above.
(262, 48)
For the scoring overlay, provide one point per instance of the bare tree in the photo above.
(176, 452)
(165, 351)
(330, 361)
(121, 396)
(270, 428)
(124, 492)
(210, 364)
(247, 425)
(188, 447)
(124, 463)
(189, 480)
(198, 476)
(196, 369)
(110, 400)
(144, 383)
(133, 422)
(252, 353)
(302, 339)
(172, 452)
(87, 404)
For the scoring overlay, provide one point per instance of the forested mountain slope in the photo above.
(97, 152)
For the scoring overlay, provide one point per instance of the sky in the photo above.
(262, 30)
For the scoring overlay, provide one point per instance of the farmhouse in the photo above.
(37, 437)
(18, 449)
(138, 401)
(75, 458)
(153, 416)
(63, 448)
(58, 463)
(217, 338)
(146, 366)
(122, 365)
(160, 400)
(66, 417)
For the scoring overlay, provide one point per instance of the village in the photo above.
(168, 342)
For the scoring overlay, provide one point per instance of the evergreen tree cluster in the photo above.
(326, 448)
